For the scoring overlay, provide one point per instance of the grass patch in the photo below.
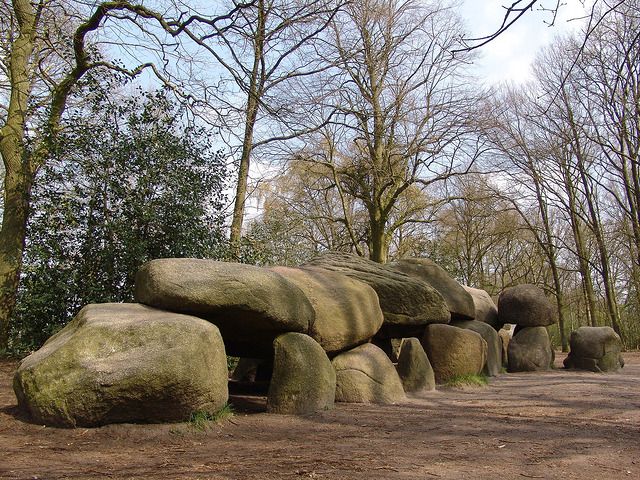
(461, 381)
(201, 420)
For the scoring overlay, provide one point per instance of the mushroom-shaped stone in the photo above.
(485, 308)
(250, 305)
(347, 311)
(596, 349)
(407, 303)
(530, 350)
(459, 302)
(303, 379)
(526, 306)
(117, 363)
(414, 368)
(366, 375)
(454, 351)
(494, 344)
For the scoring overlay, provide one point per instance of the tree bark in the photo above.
(550, 251)
(254, 94)
(378, 242)
(18, 170)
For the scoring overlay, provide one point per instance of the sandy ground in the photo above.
(555, 425)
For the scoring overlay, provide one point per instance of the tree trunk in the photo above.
(243, 176)
(254, 94)
(12, 241)
(378, 242)
(550, 251)
(18, 171)
(581, 251)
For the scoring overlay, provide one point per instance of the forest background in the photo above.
(138, 131)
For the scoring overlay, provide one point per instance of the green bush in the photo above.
(129, 181)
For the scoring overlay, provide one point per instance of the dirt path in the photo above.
(555, 425)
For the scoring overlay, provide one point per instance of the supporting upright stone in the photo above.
(493, 365)
(414, 368)
(454, 351)
(303, 379)
(530, 350)
(366, 375)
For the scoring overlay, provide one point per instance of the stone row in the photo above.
(318, 326)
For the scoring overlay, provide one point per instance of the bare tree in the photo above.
(268, 47)
(527, 165)
(403, 112)
(609, 77)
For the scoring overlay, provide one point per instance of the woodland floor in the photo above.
(554, 425)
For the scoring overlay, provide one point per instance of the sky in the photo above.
(509, 57)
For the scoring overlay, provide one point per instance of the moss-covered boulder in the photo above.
(597, 349)
(458, 300)
(366, 375)
(525, 305)
(250, 305)
(454, 351)
(118, 363)
(303, 379)
(414, 368)
(493, 365)
(408, 304)
(484, 306)
(530, 350)
(347, 311)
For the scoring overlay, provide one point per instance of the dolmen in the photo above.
(527, 307)
(327, 332)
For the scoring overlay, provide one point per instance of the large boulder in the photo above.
(485, 308)
(596, 349)
(526, 306)
(530, 350)
(118, 363)
(366, 375)
(407, 303)
(493, 365)
(454, 351)
(347, 312)
(303, 379)
(459, 302)
(414, 368)
(250, 305)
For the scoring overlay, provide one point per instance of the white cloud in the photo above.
(509, 57)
